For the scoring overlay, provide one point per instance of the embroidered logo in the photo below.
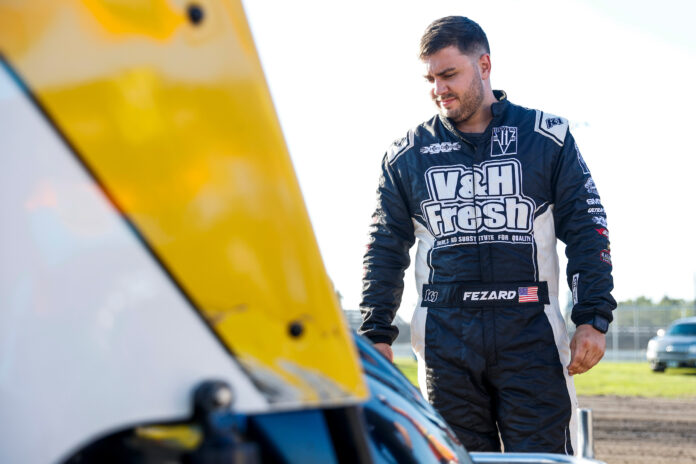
(430, 296)
(444, 147)
(504, 141)
(576, 280)
(528, 294)
(487, 197)
(590, 187)
(489, 296)
(550, 122)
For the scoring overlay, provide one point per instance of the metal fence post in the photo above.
(636, 347)
(615, 336)
(585, 439)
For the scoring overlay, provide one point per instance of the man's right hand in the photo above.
(385, 350)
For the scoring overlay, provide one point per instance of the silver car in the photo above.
(675, 347)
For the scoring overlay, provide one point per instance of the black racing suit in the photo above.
(488, 333)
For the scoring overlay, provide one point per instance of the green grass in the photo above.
(615, 378)
(409, 368)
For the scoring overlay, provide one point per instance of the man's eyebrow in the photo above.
(441, 73)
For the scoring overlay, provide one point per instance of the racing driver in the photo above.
(487, 186)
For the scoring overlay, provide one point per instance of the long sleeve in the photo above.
(581, 223)
(391, 236)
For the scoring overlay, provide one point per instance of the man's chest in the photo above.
(495, 186)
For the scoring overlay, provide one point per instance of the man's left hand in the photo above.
(586, 349)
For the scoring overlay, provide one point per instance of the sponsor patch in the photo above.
(551, 126)
(444, 147)
(594, 201)
(600, 221)
(581, 161)
(576, 280)
(602, 231)
(400, 147)
(595, 210)
(528, 294)
(605, 255)
(456, 295)
(554, 121)
(430, 296)
(497, 206)
(590, 187)
(504, 141)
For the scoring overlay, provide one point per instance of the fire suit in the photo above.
(488, 334)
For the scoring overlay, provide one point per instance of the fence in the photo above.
(633, 326)
(627, 338)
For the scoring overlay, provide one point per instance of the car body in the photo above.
(675, 348)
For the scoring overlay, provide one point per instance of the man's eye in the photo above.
(448, 75)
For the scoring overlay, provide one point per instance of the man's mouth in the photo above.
(446, 102)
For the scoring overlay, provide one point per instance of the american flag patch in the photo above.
(528, 294)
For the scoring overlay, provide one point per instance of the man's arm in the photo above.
(581, 223)
(390, 237)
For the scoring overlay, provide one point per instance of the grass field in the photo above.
(616, 378)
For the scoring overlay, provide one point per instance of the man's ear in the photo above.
(484, 64)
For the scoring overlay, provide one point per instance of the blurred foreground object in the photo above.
(154, 234)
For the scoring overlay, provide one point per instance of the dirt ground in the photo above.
(632, 430)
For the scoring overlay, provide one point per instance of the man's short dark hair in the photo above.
(459, 31)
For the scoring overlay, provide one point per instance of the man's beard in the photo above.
(469, 102)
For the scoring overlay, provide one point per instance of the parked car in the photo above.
(675, 347)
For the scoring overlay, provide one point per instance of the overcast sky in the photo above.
(346, 82)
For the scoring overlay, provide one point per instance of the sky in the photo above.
(346, 82)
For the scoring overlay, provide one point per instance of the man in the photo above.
(486, 186)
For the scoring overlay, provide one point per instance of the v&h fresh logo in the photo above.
(488, 197)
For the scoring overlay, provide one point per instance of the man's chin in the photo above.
(453, 115)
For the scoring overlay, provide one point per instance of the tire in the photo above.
(656, 366)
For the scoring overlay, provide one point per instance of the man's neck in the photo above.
(478, 121)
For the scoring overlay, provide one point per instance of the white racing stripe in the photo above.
(94, 336)
(547, 257)
(422, 270)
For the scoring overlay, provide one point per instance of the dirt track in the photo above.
(629, 430)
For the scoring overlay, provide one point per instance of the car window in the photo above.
(682, 329)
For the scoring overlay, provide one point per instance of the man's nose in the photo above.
(439, 87)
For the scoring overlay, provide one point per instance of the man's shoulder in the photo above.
(545, 124)
(551, 126)
(415, 137)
